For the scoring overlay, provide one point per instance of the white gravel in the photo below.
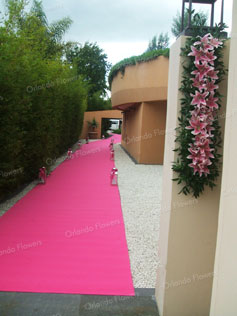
(140, 191)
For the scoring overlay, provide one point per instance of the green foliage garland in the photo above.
(194, 183)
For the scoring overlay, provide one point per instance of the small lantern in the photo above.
(87, 140)
(79, 144)
(69, 153)
(111, 145)
(114, 176)
(112, 154)
(42, 175)
(103, 136)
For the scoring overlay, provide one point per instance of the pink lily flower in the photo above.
(204, 133)
(203, 144)
(210, 85)
(205, 42)
(205, 104)
(200, 140)
(202, 70)
(195, 159)
(209, 130)
(197, 83)
(193, 150)
(211, 102)
(215, 42)
(199, 168)
(199, 98)
(210, 57)
(199, 54)
(203, 169)
(195, 167)
(196, 125)
(212, 74)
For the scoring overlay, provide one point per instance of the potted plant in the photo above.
(93, 124)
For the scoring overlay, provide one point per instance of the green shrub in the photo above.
(42, 103)
(117, 131)
(147, 56)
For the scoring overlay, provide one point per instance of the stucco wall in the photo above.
(131, 131)
(153, 133)
(143, 133)
(98, 115)
(143, 82)
(188, 226)
(225, 278)
(141, 92)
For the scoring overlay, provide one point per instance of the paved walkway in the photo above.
(35, 304)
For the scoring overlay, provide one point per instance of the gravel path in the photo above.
(140, 190)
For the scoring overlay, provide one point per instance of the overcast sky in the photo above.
(121, 27)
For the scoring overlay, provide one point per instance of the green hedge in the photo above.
(117, 131)
(120, 67)
(42, 104)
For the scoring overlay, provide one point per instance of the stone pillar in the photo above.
(188, 226)
(224, 300)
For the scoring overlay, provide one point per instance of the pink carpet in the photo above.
(68, 236)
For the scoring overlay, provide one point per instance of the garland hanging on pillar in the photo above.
(198, 135)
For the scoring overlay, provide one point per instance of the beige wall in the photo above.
(141, 83)
(224, 300)
(153, 132)
(141, 92)
(98, 115)
(131, 131)
(188, 226)
(143, 132)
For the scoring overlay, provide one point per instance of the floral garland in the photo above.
(205, 104)
(199, 131)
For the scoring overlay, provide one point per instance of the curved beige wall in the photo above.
(143, 82)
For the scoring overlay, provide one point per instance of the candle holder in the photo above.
(42, 175)
(114, 176)
(111, 145)
(69, 154)
(79, 144)
(112, 154)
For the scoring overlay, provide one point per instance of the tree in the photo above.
(198, 19)
(93, 66)
(97, 102)
(160, 42)
(51, 34)
(42, 99)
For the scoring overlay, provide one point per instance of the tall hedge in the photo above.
(42, 103)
